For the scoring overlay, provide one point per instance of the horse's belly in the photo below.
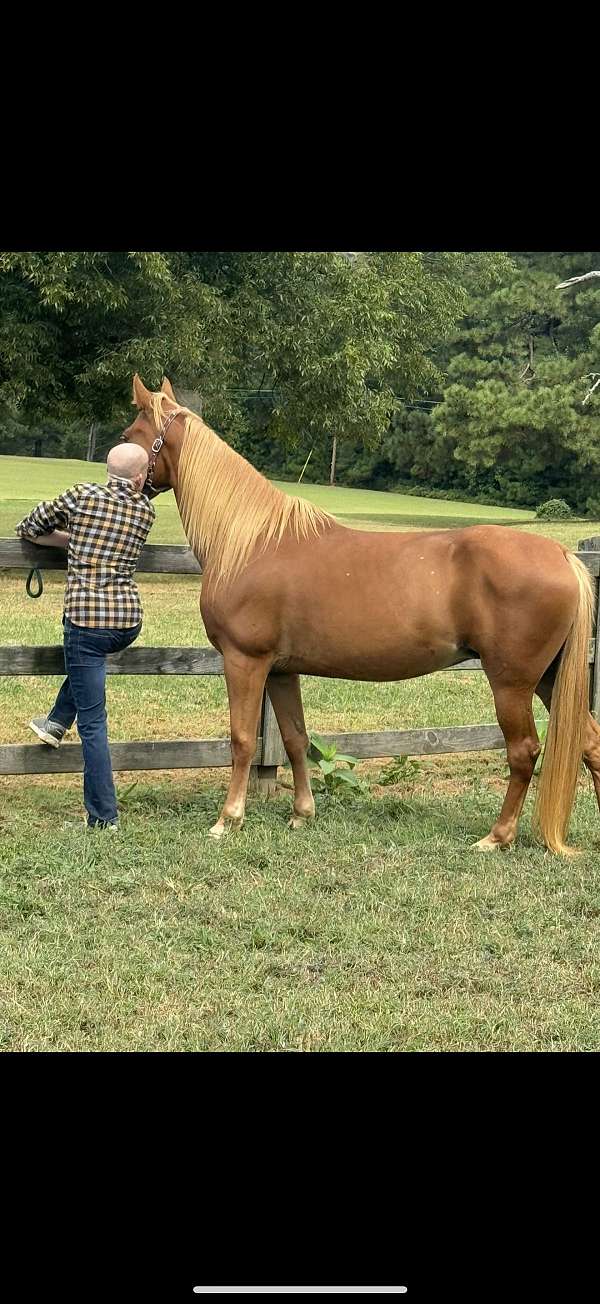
(348, 660)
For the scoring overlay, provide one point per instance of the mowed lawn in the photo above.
(28, 479)
(375, 929)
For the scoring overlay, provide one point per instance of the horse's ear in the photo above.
(141, 395)
(167, 389)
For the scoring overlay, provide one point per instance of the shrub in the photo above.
(556, 509)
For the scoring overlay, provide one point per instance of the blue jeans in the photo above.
(83, 696)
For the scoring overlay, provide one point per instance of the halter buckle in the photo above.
(155, 450)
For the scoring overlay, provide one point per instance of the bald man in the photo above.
(106, 529)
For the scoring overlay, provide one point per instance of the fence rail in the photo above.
(18, 758)
(155, 558)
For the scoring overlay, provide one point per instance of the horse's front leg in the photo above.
(284, 691)
(245, 678)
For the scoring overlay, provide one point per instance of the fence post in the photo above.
(593, 545)
(264, 775)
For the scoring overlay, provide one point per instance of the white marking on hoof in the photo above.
(486, 844)
(223, 826)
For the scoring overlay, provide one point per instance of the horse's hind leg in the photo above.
(591, 753)
(245, 678)
(515, 717)
(284, 691)
(591, 747)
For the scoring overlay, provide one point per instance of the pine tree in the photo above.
(517, 410)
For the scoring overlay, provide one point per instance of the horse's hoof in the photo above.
(486, 844)
(224, 826)
(299, 821)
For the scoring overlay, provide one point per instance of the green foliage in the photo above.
(517, 413)
(556, 509)
(399, 770)
(469, 372)
(74, 326)
(298, 347)
(330, 772)
(123, 794)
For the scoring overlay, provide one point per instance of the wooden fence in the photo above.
(17, 758)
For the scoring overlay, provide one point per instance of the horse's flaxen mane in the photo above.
(227, 507)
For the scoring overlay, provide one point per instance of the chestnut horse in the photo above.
(287, 591)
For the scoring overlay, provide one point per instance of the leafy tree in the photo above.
(326, 344)
(74, 326)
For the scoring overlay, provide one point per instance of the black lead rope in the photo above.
(36, 574)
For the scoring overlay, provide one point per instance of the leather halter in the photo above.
(149, 488)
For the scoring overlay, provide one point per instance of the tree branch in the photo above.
(591, 391)
(529, 365)
(562, 285)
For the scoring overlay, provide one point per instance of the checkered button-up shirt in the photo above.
(108, 526)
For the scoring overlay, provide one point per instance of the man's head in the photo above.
(130, 462)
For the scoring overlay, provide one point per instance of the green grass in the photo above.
(390, 509)
(375, 929)
(25, 480)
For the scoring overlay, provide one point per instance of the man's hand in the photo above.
(57, 539)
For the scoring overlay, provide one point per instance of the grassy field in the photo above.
(376, 929)
(28, 479)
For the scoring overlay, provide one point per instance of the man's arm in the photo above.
(40, 525)
(57, 539)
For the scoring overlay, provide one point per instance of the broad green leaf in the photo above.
(346, 776)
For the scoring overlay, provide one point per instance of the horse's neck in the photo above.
(175, 451)
(235, 507)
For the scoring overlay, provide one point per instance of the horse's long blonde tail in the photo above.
(566, 728)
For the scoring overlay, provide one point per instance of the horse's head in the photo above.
(156, 413)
